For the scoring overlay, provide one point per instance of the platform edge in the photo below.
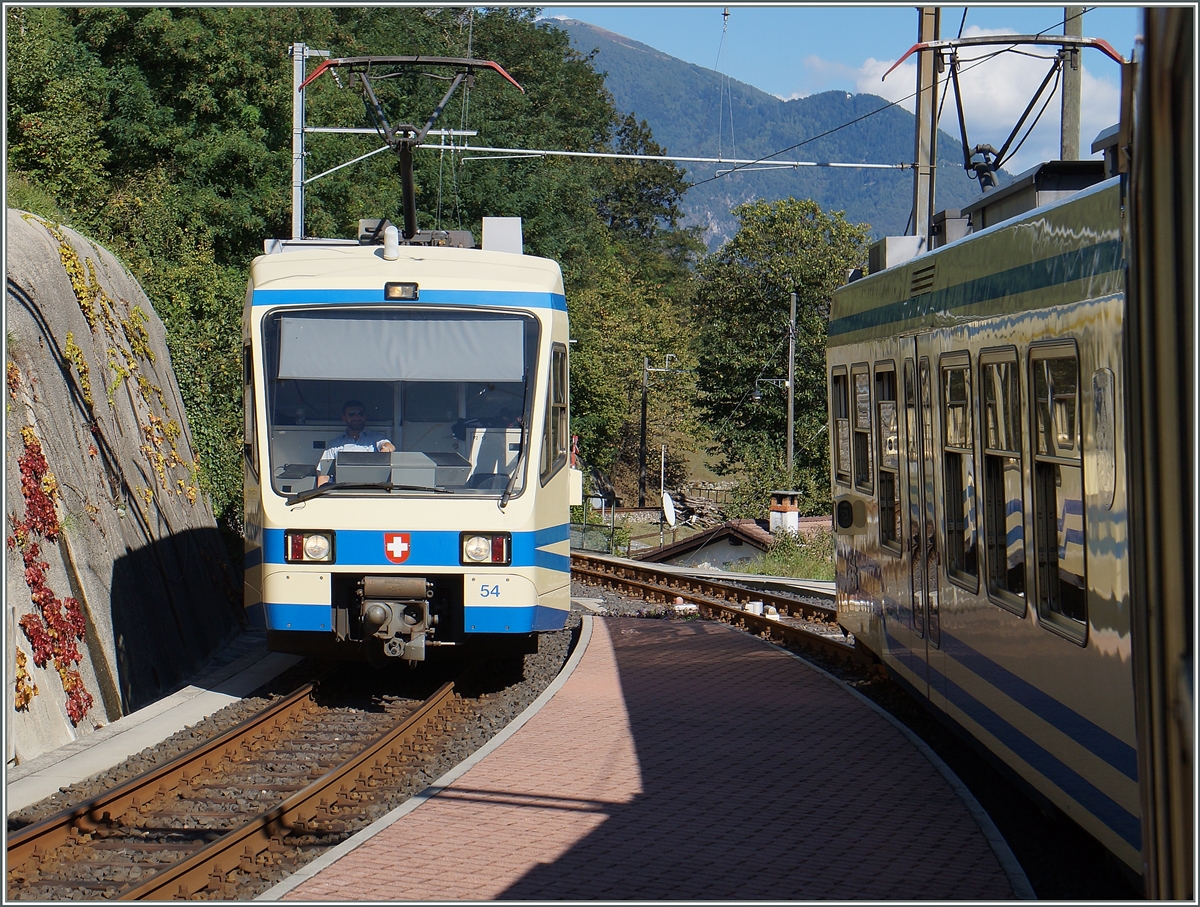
(309, 870)
(1007, 859)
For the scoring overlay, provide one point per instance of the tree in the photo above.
(165, 133)
(741, 316)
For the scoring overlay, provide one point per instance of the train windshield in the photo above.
(398, 401)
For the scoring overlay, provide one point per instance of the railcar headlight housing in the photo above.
(308, 546)
(485, 548)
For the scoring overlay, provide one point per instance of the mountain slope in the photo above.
(682, 102)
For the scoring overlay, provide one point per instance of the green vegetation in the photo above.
(796, 554)
(165, 134)
(741, 312)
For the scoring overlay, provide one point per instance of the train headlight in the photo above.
(307, 546)
(486, 548)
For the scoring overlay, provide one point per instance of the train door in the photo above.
(923, 518)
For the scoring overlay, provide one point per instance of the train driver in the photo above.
(356, 437)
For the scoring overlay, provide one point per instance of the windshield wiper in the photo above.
(342, 486)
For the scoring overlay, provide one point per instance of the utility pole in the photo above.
(1072, 82)
(791, 387)
(929, 27)
(642, 446)
(646, 370)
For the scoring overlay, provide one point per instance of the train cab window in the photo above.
(250, 430)
(887, 420)
(959, 470)
(864, 468)
(447, 387)
(1058, 527)
(840, 410)
(1003, 501)
(554, 438)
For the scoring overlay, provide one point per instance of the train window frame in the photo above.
(555, 431)
(887, 478)
(839, 417)
(1043, 458)
(959, 477)
(861, 429)
(249, 415)
(995, 494)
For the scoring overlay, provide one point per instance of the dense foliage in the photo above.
(742, 311)
(165, 133)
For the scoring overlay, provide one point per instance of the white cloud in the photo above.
(996, 92)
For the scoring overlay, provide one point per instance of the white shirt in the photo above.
(367, 441)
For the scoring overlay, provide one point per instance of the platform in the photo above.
(683, 760)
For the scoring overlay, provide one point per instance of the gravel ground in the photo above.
(1062, 862)
(498, 693)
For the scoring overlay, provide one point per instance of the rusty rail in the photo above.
(307, 811)
(43, 836)
(721, 601)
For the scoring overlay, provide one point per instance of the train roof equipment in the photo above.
(401, 138)
(992, 159)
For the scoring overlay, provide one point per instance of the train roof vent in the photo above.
(894, 250)
(1040, 185)
(922, 280)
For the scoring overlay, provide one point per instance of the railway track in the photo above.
(798, 623)
(243, 808)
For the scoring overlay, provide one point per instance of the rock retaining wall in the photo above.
(118, 585)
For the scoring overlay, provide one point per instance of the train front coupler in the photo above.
(395, 610)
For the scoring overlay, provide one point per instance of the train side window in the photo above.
(962, 557)
(887, 419)
(840, 409)
(250, 426)
(1058, 524)
(1003, 496)
(864, 468)
(554, 437)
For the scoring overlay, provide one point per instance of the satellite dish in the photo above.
(668, 509)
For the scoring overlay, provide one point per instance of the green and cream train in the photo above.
(976, 394)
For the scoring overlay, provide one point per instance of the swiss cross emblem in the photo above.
(396, 546)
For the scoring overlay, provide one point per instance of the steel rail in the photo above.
(41, 837)
(714, 600)
(306, 811)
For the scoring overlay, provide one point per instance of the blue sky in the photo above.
(794, 51)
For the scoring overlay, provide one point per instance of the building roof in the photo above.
(747, 531)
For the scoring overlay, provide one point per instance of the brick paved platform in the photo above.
(687, 760)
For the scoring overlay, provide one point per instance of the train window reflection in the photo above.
(864, 468)
(1058, 513)
(962, 558)
(1003, 501)
(889, 456)
(840, 407)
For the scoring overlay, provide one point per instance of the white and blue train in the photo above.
(406, 447)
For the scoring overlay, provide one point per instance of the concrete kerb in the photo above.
(1007, 859)
(328, 859)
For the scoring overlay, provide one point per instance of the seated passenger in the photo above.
(356, 437)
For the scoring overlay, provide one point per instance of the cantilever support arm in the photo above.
(993, 40)
(364, 63)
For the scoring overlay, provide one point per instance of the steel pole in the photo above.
(642, 446)
(1072, 86)
(298, 56)
(925, 152)
(791, 386)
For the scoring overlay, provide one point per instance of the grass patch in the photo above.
(800, 555)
